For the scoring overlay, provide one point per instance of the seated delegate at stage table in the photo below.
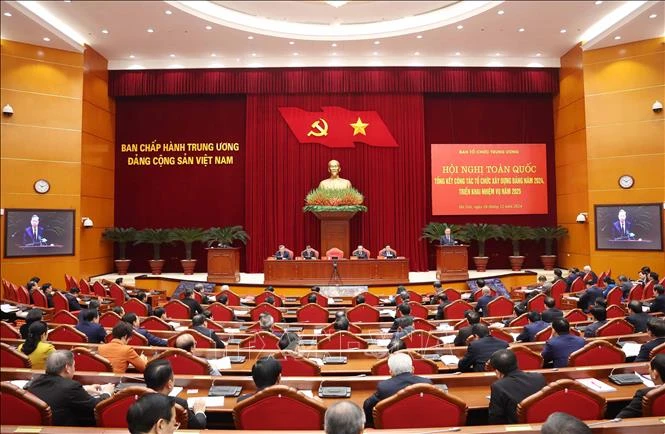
(388, 252)
(447, 238)
(561, 345)
(657, 373)
(282, 253)
(360, 252)
(308, 253)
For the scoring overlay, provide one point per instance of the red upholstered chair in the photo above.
(117, 294)
(476, 295)
(601, 278)
(500, 306)
(660, 349)
(615, 311)
(342, 340)
(426, 406)
(136, 339)
(653, 403)
(363, 313)
(271, 310)
(330, 329)
(636, 292)
(176, 309)
(334, 253)
(65, 317)
(527, 359)
(662, 281)
(615, 327)
(536, 303)
(112, 412)
(195, 295)
(23, 295)
(544, 335)
(452, 294)
(10, 292)
(414, 296)
(256, 327)
(576, 315)
(279, 408)
(614, 296)
(381, 253)
(98, 289)
(320, 299)
(461, 324)
(500, 334)
(39, 299)
(71, 283)
(421, 324)
(567, 396)
(67, 333)
(7, 331)
(86, 360)
(60, 302)
(370, 299)
(133, 305)
(295, 365)
(220, 312)
(10, 357)
(418, 310)
(598, 352)
(261, 298)
(312, 313)
(557, 291)
(215, 326)
(456, 309)
(420, 339)
(648, 290)
(520, 321)
(233, 299)
(109, 319)
(201, 340)
(421, 366)
(260, 341)
(154, 323)
(183, 362)
(20, 407)
(577, 285)
(84, 286)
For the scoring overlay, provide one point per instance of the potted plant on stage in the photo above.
(223, 258)
(188, 236)
(480, 233)
(120, 236)
(516, 234)
(549, 234)
(156, 237)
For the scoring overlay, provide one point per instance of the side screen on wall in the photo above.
(629, 227)
(486, 179)
(39, 232)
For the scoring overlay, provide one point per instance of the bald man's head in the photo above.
(185, 342)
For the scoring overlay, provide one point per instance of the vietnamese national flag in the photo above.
(337, 127)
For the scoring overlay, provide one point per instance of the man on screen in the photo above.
(622, 228)
(447, 238)
(34, 234)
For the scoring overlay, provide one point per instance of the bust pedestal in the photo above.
(335, 230)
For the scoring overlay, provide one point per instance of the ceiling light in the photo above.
(208, 27)
(497, 54)
(136, 67)
(610, 20)
(599, 2)
(68, 1)
(521, 29)
(458, 53)
(131, 56)
(377, 42)
(253, 54)
(106, 32)
(7, 14)
(291, 42)
(562, 31)
(333, 54)
(495, 63)
(46, 39)
(417, 53)
(213, 55)
(456, 63)
(616, 38)
(150, 31)
(171, 55)
(500, 12)
(250, 37)
(168, 12)
(460, 27)
(535, 65)
(538, 54)
(295, 54)
(337, 3)
(71, 36)
(333, 45)
(376, 53)
(653, 16)
(421, 36)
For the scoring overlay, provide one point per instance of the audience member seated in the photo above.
(93, 304)
(404, 327)
(483, 301)
(511, 387)
(360, 252)
(589, 274)
(656, 328)
(657, 373)
(561, 345)
(35, 346)
(480, 350)
(442, 300)
(396, 345)
(71, 403)
(133, 320)
(282, 253)
(33, 316)
(290, 342)
(312, 298)
(199, 324)
(119, 353)
(194, 306)
(31, 286)
(588, 297)
(71, 297)
(658, 304)
(610, 284)
(344, 417)
(187, 343)
(600, 315)
(141, 296)
(536, 324)
(400, 366)
(89, 324)
(360, 299)
(573, 273)
(560, 423)
(159, 377)
(341, 324)
(551, 311)
(120, 311)
(266, 322)
(405, 310)
(47, 289)
(463, 334)
(152, 413)
(265, 373)
(638, 318)
(388, 253)
(308, 253)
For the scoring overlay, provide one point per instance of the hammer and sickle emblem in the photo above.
(321, 130)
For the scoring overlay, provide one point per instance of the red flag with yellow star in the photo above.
(337, 127)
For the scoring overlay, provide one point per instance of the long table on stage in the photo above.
(349, 272)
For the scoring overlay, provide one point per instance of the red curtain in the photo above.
(280, 172)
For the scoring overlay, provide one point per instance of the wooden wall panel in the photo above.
(28, 142)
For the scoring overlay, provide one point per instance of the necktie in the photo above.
(35, 231)
(623, 229)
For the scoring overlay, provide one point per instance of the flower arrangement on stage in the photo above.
(326, 199)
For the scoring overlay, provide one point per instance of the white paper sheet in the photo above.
(307, 393)
(317, 361)
(445, 326)
(19, 383)
(466, 296)
(231, 330)
(240, 312)
(382, 342)
(497, 325)
(317, 331)
(648, 382)
(449, 359)
(385, 330)
(8, 308)
(174, 324)
(631, 349)
(176, 390)
(211, 401)
(449, 339)
(596, 385)
(387, 312)
(220, 364)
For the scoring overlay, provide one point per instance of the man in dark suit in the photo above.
(622, 228)
(480, 350)
(158, 376)
(360, 252)
(265, 373)
(34, 234)
(463, 334)
(561, 345)
(308, 253)
(656, 327)
(589, 296)
(658, 304)
(89, 325)
(71, 403)
(72, 300)
(552, 312)
(625, 285)
(511, 388)
(442, 300)
(401, 373)
(572, 275)
(600, 315)
(194, 306)
(657, 372)
(535, 325)
(447, 238)
(405, 310)
(388, 253)
(282, 253)
(133, 320)
(483, 301)
(199, 324)
(141, 296)
(638, 318)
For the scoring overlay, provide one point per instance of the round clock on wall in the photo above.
(42, 186)
(626, 181)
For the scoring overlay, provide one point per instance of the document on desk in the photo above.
(573, 298)
(385, 300)
(176, 390)
(497, 325)
(382, 342)
(19, 383)
(444, 326)
(631, 349)
(645, 309)
(174, 324)
(222, 363)
(449, 339)
(387, 312)
(307, 393)
(648, 382)
(449, 359)
(6, 308)
(240, 312)
(181, 328)
(317, 331)
(211, 401)
(317, 360)
(385, 330)
(231, 330)
(596, 385)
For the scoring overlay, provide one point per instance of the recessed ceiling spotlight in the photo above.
(46, 39)
(460, 27)
(521, 29)
(295, 54)
(501, 12)
(250, 37)
(291, 42)
(417, 53)
(213, 55)
(653, 16)
(497, 54)
(168, 12)
(377, 42)
(333, 44)
(599, 2)
(419, 37)
(376, 53)
(535, 65)
(171, 55)
(616, 38)
(150, 31)
(7, 14)
(106, 32)
(538, 54)
(131, 56)
(562, 31)
(457, 53)
(68, 1)
(337, 3)
(253, 54)
(208, 27)
(333, 54)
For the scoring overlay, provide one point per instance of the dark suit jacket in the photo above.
(360, 254)
(439, 310)
(94, 331)
(479, 352)
(509, 391)
(531, 330)
(588, 298)
(73, 302)
(152, 339)
(447, 241)
(558, 348)
(395, 326)
(658, 304)
(70, 404)
(280, 255)
(634, 408)
(591, 330)
(308, 255)
(211, 334)
(550, 315)
(481, 305)
(625, 289)
(462, 335)
(194, 420)
(29, 236)
(194, 306)
(639, 321)
(645, 349)
(618, 233)
(387, 388)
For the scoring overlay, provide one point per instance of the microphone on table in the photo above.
(615, 420)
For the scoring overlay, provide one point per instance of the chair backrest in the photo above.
(220, 312)
(65, 317)
(452, 294)
(500, 306)
(420, 339)
(363, 313)
(598, 352)
(70, 282)
(256, 312)
(461, 324)
(23, 295)
(316, 253)
(536, 303)
(557, 291)
(342, 340)
(256, 327)
(520, 321)
(577, 285)
(154, 323)
(214, 326)
(636, 292)
(10, 357)
(67, 333)
(601, 278)
(330, 329)
(544, 335)
(84, 286)
(109, 319)
(422, 324)
(653, 403)
(417, 310)
(456, 309)
(39, 298)
(260, 341)
(501, 334)
(312, 313)
(648, 290)
(615, 311)
(195, 295)
(421, 366)
(117, 294)
(112, 412)
(476, 295)
(183, 362)
(576, 315)
(7, 331)
(334, 252)
(20, 407)
(426, 406)
(261, 298)
(295, 365)
(98, 289)
(414, 296)
(660, 349)
(86, 360)
(10, 292)
(133, 305)
(370, 299)
(367, 252)
(176, 309)
(136, 339)
(614, 296)
(615, 327)
(567, 396)
(60, 302)
(233, 299)
(320, 299)
(266, 410)
(527, 359)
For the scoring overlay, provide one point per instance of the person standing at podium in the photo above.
(447, 238)
(34, 234)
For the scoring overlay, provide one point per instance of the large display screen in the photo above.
(39, 232)
(483, 179)
(629, 227)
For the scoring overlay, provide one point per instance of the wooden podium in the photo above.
(223, 264)
(335, 230)
(452, 263)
